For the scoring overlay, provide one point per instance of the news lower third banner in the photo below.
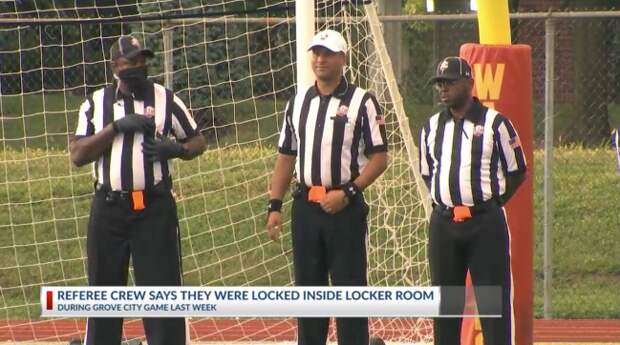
(155, 301)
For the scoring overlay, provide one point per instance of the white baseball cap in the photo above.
(329, 39)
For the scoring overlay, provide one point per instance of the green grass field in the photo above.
(44, 204)
(586, 257)
(43, 120)
(221, 197)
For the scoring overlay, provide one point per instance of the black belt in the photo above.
(160, 189)
(475, 210)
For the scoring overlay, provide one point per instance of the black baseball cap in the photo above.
(452, 68)
(128, 47)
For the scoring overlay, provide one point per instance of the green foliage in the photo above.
(56, 57)
(414, 7)
(224, 60)
(417, 36)
(233, 62)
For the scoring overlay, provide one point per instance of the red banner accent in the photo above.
(50, 300)
(503, 81)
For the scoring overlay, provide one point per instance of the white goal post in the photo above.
(235, 72)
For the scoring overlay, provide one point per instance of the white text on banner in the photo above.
(151, 301)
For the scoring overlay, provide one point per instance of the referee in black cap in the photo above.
(131, 131)
(333, 138)
(472, 162)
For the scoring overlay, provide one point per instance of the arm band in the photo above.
(274, 205)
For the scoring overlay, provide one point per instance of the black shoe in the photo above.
(376, 341)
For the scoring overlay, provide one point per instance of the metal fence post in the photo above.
(548, 166)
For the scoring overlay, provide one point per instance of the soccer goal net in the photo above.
(233, 63)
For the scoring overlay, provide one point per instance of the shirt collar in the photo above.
(118, 95)
(474, 113)
(339, 92)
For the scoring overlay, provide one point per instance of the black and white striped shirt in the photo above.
(332, 136)
(123, 167)
(467, 160)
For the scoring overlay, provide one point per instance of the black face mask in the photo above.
(135, 79)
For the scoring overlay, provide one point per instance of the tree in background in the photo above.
(593, 71)
(35, 60)
(595, 51)
(427, 43)
(421, 55)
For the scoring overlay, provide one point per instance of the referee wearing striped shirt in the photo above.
(472, 161)
(616, 141)
(333, 138)
(124, 130)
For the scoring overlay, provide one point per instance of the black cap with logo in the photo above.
(128, 47)
(452, 68)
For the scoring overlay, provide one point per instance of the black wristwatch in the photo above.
(352, 191)
(274, 205)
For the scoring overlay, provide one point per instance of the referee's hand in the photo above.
(334, 201)
(162, 149)
(274, 225)
(134, 123)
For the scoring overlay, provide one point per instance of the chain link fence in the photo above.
(580, 233)
(587, 72)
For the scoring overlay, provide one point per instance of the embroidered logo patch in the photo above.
(478, 131)
(380, 119)
(342, 111)
(149, 111)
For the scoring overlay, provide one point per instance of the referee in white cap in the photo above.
(333, 138)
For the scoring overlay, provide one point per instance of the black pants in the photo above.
(480, 244)
(330, 245)
(150, 237)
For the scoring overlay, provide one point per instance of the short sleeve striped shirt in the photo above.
(467, 160)
(332, 136)
(123, 167)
